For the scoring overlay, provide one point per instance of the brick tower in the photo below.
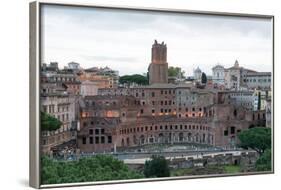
(158, 68)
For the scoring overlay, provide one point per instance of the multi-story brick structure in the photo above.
(158, 68)
(161, 113)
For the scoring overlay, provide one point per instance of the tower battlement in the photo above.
(159, 53)
(158, 68)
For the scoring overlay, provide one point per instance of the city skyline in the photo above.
(99, 37)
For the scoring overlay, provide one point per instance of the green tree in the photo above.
(264, 161)
(49, 123)
(136, 78)
(175, 72)
(204, 78)
(158, 166)
(257, 138)
(98, 168)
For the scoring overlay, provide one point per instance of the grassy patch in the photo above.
(181, 172)
(227, 169)
(231, 169)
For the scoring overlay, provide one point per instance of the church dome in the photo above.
(198, 70)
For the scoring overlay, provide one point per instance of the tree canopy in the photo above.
(49, 123)
(158, 166)
(257, 138)
(204, 78)
(264, 161)
(98, 168)
(136, 78)
(175, 72)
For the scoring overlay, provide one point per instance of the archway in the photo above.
(181, 137)
(142, 139)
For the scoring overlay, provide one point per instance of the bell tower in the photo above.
(158, 68)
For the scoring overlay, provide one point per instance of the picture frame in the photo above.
(37, 31)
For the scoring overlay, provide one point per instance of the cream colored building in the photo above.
(89, 88)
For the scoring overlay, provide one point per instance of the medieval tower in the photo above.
(158, 68)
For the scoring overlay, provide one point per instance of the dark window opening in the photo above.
(225, 133)
(97, 131)
(102, 140)
(91, 131)
(91, 140)
(232, 130)
(84, 141)
(97, 139)
(109, 139)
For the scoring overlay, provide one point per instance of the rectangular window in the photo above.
(232, 130)
(91, 140)
(91, 131)
(97, 131)
(97, 139)
(102, 131)
(225, 133)
(109, 139)
(102, 139)
(84, 140)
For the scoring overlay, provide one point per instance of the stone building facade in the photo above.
(102, 77)
(218, 75)
(161, 113)
(62, 107)
(258, 80)
(59, 94)
(240, 78)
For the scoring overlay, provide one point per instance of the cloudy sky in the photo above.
(122, 39)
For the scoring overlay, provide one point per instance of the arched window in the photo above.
(181, 137)
(141, 139)
(135, 139)
(122, 143)
(128, 141)
(189, 135)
